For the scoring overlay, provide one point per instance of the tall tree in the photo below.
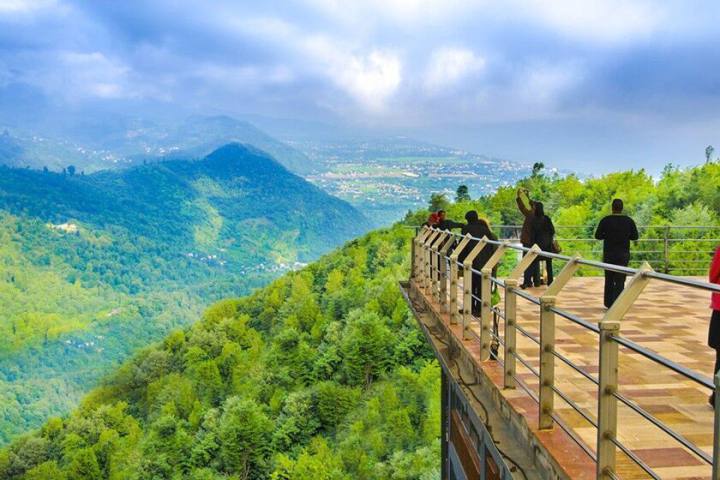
(709, 150)
(462, 194)
(438, 201)
(537, 168)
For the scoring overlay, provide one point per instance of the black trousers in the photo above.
(614, 281)
(528, 273)
(476, 291)
(535, 271)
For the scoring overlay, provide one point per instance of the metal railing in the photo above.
(681, 250)
(437, 270)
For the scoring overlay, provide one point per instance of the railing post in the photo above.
(510, 331)
(454, 316)
(608, 381)
(607, 401)
(427, 260)
(666, 248)
(547, 362)
(467, 284)
(417, 251)
(486, 301)
(716, 431)
(441, 239)
(485, 315)
(444, 272)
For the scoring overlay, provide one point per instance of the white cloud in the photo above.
(371, 79)
(400, 12)
(595, 20)
(24, 6)
(95, 74)
(447, 66)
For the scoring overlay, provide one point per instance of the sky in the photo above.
(585, 85)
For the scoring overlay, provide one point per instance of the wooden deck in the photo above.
(669, 320)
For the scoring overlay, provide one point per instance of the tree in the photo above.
(537, 169)
(84, 466)
(462, 194)
(71, 170)
(709, 150)
(438, 201)
(245, 439)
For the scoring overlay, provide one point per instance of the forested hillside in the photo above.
(95, 266)
(321, 375)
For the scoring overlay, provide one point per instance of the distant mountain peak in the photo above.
(245, 156)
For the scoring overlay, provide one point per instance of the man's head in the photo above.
(441, 215)
(617, 206)
(471, 216)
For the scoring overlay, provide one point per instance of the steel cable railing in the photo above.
(444, 247)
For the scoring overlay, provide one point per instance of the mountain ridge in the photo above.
(121, 257)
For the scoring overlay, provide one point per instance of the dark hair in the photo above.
(539, 209)
(440, 212)
(617, 205)
(471, 216)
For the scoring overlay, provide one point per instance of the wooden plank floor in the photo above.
(667, 319)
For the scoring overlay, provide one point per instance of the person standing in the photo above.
(477, 228)
(714, 329)
(616, 231)
(445, 224)
(542, 232)
(527, 208)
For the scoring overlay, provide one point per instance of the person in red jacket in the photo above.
(714, 330)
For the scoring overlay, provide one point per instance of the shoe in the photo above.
(524, 286)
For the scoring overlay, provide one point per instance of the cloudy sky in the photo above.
(587, 85)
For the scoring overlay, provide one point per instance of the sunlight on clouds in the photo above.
(447, 66)
(370, 79)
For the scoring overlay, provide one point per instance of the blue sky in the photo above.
(586, 85)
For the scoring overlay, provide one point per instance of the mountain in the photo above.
(93, 140)
(96, 265)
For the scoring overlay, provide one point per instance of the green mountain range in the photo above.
(95, 266)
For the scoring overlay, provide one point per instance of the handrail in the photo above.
(688, 282)
(607, 329)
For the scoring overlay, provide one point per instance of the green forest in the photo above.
(323, 374)
(93, 267)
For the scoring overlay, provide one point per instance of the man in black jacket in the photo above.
(477, 229)
(445, 224)
(616, 231)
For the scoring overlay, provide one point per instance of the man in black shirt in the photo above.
(445, 224)
(616, 231)
(477, 228)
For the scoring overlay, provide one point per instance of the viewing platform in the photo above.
(641, 371)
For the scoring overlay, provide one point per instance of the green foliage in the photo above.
(680, 197)
(462, 194)
(96, 266)
(438, 201)
(322, 374)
